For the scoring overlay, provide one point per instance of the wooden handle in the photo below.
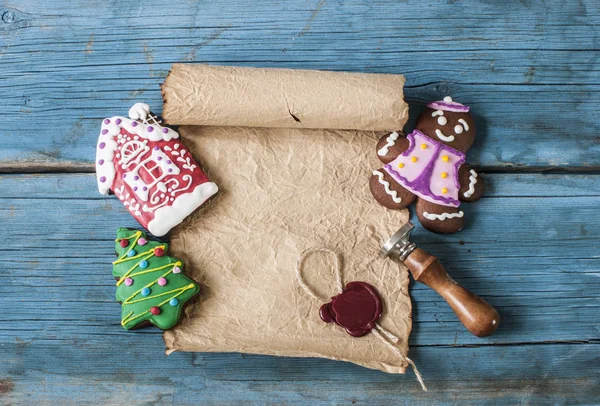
(477, 315)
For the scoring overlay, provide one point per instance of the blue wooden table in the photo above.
(530, 71)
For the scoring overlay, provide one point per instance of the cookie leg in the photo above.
(388, 193)
(440, 219)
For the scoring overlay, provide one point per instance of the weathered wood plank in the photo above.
(133, 370)
(65, 65)
(537, 259)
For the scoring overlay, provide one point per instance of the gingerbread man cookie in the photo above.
(428, 166)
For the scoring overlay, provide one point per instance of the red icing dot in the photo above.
(124, 243)
(159, 252)
(155, 310)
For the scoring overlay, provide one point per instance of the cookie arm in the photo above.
(471, 184)
(391, 145)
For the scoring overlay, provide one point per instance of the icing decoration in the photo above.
(124, 243)
(464, 124)
(443, 216)
(356, 309)
(153, 287)
(390, 142)
(153, 175)
(142, 241)
(414, 158)
(472, 183)
(386, 185)
(143, 264)
(449, 105)
(443, 137)
(139, 111)
(424, 177)
(131, 253)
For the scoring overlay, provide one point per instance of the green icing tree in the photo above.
(151, 285)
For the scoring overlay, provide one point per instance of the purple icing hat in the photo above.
(448, 105)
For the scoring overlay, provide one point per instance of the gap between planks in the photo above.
(28, 167)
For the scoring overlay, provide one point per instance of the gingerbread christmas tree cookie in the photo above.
(148, 168)
(151, 285)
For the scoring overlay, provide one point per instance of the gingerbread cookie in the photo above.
(428, 166)
(151, 286)
(146, 166)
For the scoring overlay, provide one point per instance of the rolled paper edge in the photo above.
(355, 101)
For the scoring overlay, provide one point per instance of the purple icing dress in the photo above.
(429, 169)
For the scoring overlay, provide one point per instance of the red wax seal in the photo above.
(356, 309)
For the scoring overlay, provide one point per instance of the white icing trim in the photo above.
(168, 217)
(390, 142)
(386, 185)
(437, 113)
(139, 111)
(443, 137)
(112, 129)
(472, 183)
(464, 123)
(443, 216)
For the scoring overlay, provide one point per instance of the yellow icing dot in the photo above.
(423, 146)
(414, 159)
(444, 175)
(400, 165)
(445, 158)
(444, 190)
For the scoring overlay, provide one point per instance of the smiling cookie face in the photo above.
(449, 123)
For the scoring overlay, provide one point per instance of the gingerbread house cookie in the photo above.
(149, 170)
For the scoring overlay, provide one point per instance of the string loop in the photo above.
(381, 333)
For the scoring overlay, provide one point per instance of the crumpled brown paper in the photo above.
(283, 98)
(282, 191)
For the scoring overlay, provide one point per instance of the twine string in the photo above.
(381, 333)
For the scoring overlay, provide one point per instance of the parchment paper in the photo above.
(282, 191)
(283, 98)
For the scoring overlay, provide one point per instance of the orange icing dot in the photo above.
(423, 146)
(444, 190)
(445, 158)
(444, 175)
(414, 159)
(400, 165)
